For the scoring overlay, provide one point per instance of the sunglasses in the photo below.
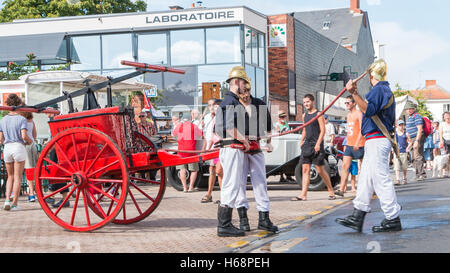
(347, 103)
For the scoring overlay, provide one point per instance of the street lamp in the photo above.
(329, 68)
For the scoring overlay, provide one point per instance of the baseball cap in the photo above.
(281, 113)
(400, 121)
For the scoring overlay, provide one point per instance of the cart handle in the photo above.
(154, 67)
(28, 109)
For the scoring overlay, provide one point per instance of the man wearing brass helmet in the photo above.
(378, 117)
(233, 126)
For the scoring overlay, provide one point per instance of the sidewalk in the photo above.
(180, 224)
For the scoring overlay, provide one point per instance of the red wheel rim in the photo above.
(144, 195)
(83, 156)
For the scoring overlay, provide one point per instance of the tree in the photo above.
(421, 101)
(27, 9)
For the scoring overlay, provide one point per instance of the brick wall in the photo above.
(308, 55)
(281, 60)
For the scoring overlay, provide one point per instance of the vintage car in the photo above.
(283, 160)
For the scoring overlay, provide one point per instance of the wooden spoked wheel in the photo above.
(80, 160)
(145, 191)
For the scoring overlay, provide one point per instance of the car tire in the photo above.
(316, 183)
(173, 178)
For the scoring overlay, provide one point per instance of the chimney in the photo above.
(429, 83)
(354, 6)
(175, 7)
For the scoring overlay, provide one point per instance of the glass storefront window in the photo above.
(215, 73)
(178, 89)
(87, 50)
(248, 44)
(261, 50)
(254, 48)
(260, 84)
(187, 47)
(152, 48)
(250, 70)
(116, 47)
(223, 45)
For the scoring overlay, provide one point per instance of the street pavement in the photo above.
(180, 224)
(425, 219)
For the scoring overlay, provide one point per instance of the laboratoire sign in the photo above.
(193, 17)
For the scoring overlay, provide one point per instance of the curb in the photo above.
(258, 235)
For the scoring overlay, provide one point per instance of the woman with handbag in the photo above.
(312, 148)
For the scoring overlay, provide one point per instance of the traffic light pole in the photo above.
(328, 72)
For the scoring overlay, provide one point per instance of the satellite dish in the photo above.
(73, 2)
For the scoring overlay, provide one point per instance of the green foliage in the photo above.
(14, 70)
(421, 101)
(27, 9)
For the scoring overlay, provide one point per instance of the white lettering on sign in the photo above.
(191, 17)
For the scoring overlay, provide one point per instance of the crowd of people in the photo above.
(367, 148)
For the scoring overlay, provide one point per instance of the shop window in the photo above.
(254, 48)
(152, 48)
(261, 50)
(446, 107)
(187, 47)
(86, 49)
(214, 74)
(115, 48)
(248, 45)
(176, 89)
(223, 45)
(260, 81)
(251, 74)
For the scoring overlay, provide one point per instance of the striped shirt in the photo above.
(412, 123)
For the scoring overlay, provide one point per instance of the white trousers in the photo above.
(236, 165)
(256, 165)
(374, 177)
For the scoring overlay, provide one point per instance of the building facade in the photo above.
(204, 42)
(286, 56)
(300, 65)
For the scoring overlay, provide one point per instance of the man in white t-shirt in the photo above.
(329, 132)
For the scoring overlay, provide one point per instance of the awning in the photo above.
(48, 48)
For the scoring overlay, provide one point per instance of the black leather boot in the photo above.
(265, 223)
(354, 221)
(388, 225)
(225, 227)
(244, 225)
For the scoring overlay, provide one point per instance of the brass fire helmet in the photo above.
(378, 70)
(239, 72)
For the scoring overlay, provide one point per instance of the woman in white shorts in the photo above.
(13, 134)
(32, 153)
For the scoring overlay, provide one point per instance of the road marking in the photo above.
(280, 246)
(238, 244)
(262, 234)
(328, 207)
(284, 225)
(301, 218)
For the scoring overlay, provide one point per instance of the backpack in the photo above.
(427, 128)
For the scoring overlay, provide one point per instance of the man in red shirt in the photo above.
(187, 134)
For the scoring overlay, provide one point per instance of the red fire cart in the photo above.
(100, 160)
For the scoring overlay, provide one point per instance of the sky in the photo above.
(415, 33)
